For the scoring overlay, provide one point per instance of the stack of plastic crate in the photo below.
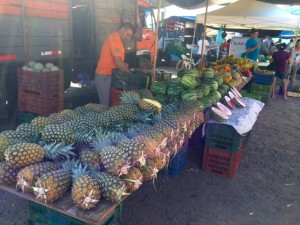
(223, 149)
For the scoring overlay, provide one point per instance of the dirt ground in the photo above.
(265, 190)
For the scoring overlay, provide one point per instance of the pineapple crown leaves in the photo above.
(59, 151)
(79, 170)
(144, 117)
(130, 97)
(84, 137)
(70, 164)
(101, 140)
(115, 137)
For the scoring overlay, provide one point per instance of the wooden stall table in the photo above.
(96, 216)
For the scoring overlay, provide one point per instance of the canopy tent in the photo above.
(250, 13)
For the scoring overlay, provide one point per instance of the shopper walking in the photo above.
(112, 57)
(265, 47)
(281, 58)
(295, 61)
(253, 45)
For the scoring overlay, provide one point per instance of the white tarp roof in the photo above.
(251, 13)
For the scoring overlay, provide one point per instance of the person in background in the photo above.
(278, 43)
(272, 48)
(281, 58)
(290, 45)
(295, 61)
(253, 45)
(226, 46)
(112, 57)
(265, 46)
(206, 48)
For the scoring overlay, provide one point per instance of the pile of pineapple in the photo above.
(96, 151)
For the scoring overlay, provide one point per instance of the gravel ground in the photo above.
(265, 190)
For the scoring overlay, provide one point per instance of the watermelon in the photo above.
(161, 99)
(189, 72)
(38, 67)
(228, 102)
(239, 103)
(208, 73)
(188, 82)
(54, 68)
(236, 92)
(31, 64)
(215, 95)
(213, 85)
(206, 102)
(174, 91)
(231, 95)
(204, 89)
(226, 87)
(174, 99)
(174, 82)
(49, 65)
(189, 95)
(219, 115)
(218, 79)
(159, 88)
(25, 68)
(224, 109)
(199, 93)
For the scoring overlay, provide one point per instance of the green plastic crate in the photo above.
(260, 89)
(39, 214)
(26, 117)
(223, 137)
(252, 95)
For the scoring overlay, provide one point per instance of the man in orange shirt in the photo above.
(112, 57)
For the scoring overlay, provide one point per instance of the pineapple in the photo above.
(112, 188)
(54, 184)
(58, 118)
(134, 179)
(5, 143)
(134, 150)
(145, 93)
(149, 170)
(90, 158)
(16, 135)
(114, 160)
(161, 160)
(23, 154)
(130, 97)
(28, 176)
(85, 190)
(41, 122)
(58, 133)
(127, 112)
(151, 146)
(150, 105)
(97, 108)
(69, 113)
(83, 111)
(8, 175)
(33, 130)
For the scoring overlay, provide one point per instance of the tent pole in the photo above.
(204, 31)
(194, 35)
(156, 41)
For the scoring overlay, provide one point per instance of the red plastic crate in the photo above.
(41, 82)
(221, 162)
(115, 96)
(39, 104)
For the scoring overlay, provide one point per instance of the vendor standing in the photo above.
(112, 57)
(253, 45)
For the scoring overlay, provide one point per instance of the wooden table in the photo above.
(96, 216)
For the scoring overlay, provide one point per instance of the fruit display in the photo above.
(235, 62)
(257, 70)
(99, 152)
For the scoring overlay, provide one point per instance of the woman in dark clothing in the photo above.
(281, 58)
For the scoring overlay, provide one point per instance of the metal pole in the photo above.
(191, 56)
(156, 41)
(204, 31)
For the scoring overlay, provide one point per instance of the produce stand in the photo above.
(246, 80)
(65, 205)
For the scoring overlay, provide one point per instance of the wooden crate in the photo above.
(293, 94)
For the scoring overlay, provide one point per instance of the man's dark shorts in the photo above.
(280, 75)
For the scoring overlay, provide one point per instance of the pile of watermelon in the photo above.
(191, 84)
(39, 67)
